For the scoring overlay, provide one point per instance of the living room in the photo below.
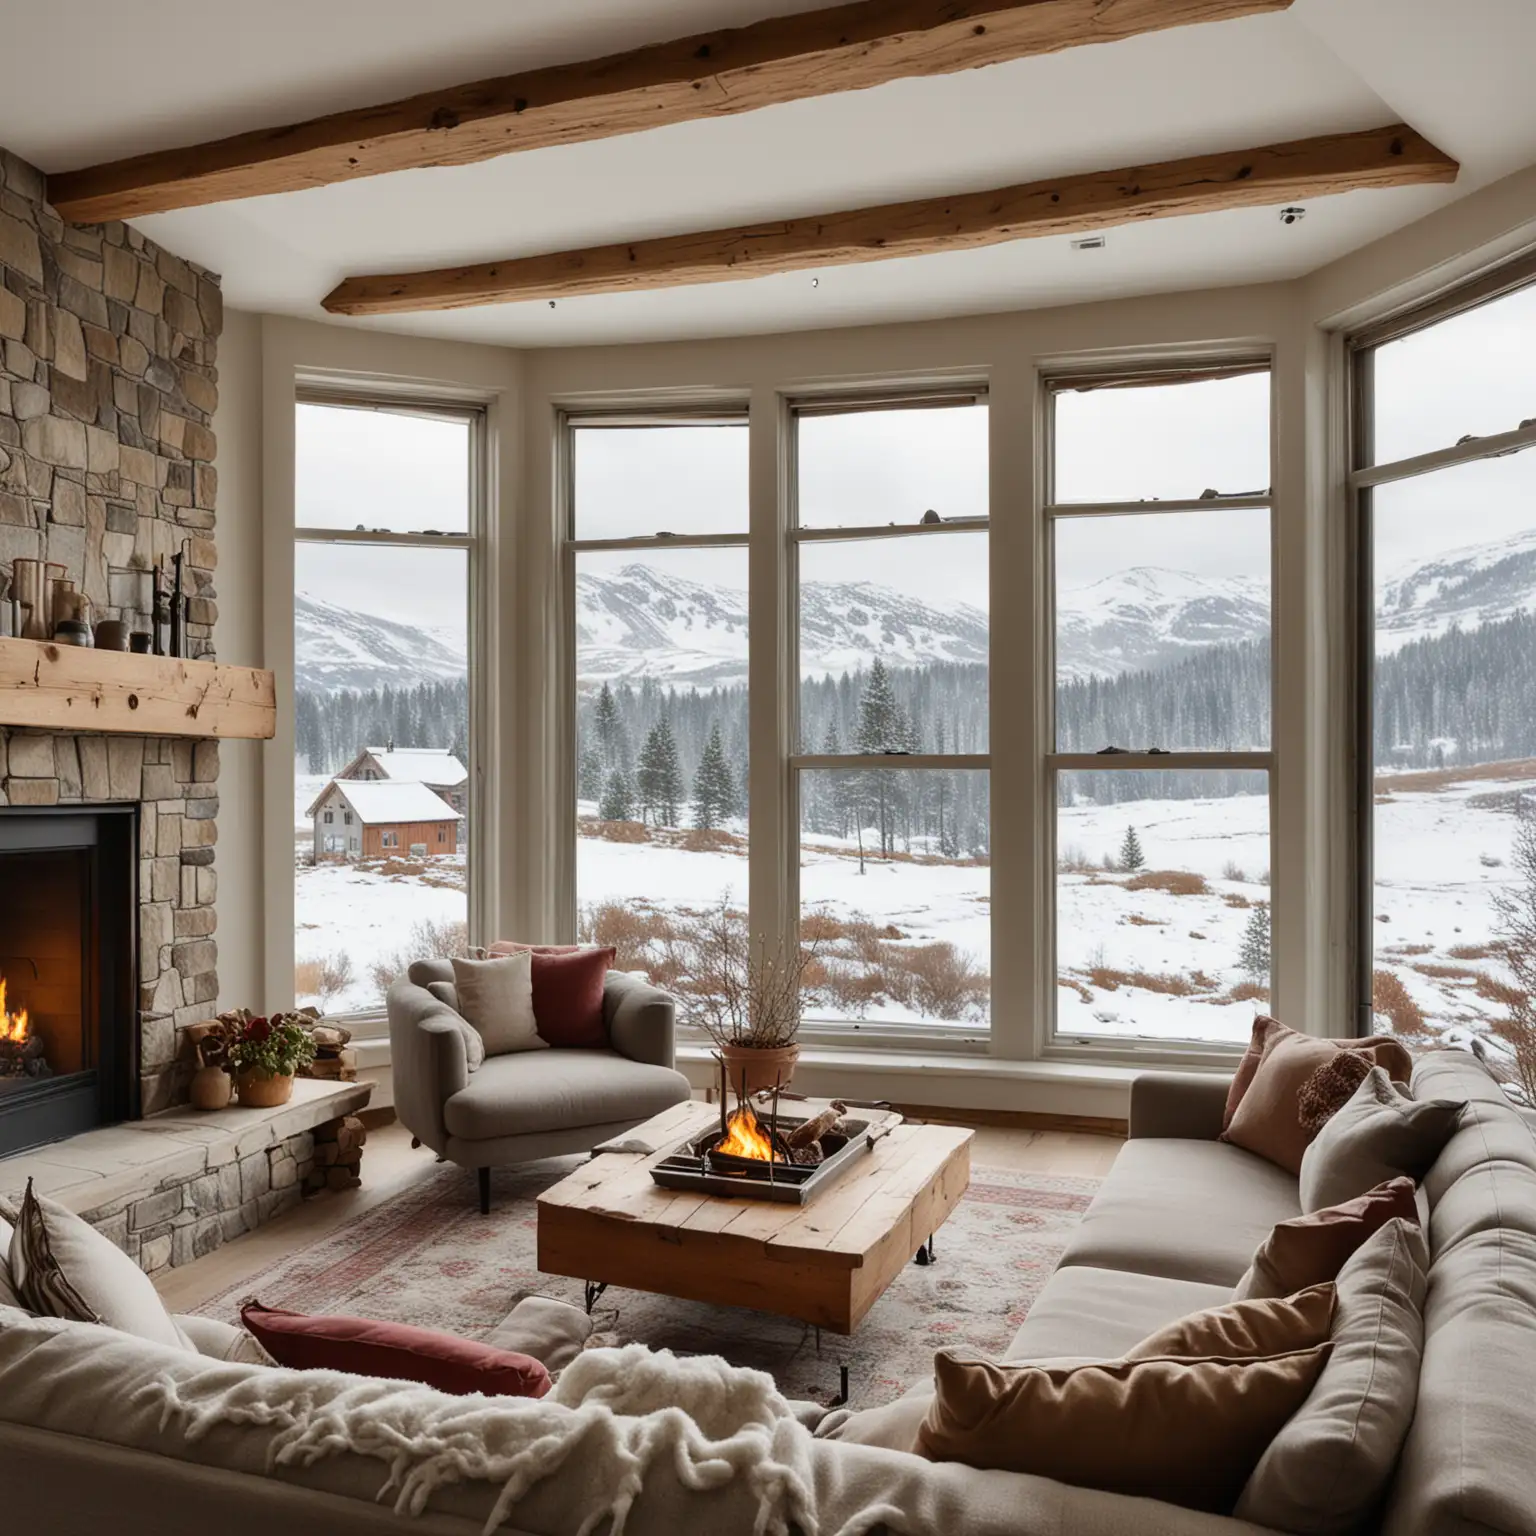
(787, 751)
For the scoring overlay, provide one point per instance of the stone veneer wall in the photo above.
(107, 391)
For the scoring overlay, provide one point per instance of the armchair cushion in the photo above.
(496, 996)
(535, 1092)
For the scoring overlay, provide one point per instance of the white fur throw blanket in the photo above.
(613, 1414)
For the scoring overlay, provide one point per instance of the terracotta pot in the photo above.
(211, 1088)
(264, 1090)
(760, 1066)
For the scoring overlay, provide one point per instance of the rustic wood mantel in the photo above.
(51, 687)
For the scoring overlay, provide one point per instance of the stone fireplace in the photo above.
(108, 383)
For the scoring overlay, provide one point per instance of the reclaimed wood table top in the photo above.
(825, 1263)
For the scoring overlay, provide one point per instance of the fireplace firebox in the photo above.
(69, 1032)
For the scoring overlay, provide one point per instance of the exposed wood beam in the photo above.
(714, 74)
(1277, 173)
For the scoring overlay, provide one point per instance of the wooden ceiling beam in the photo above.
(1276, 174)
(715, 74)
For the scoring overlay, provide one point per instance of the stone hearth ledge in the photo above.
(173, 1187)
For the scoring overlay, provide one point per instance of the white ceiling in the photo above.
(163, 72)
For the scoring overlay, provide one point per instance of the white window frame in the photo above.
(372, 1023)
(1364, 476)
(1140, 1050)
(873, 1033)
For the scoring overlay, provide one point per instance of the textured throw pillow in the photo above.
(496, 997)
(1328, 1469)
(1188, 1432)
(1381, 1133)
(1382, 1050)
(1268, 1119)
(568, 984)
(1308, 1250)
(394, 1351)
(62, 1266)
(474, 1046)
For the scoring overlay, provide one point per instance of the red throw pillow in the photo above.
(567, 992)
(396, 1351)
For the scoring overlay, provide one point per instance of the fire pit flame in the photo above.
(745, 1137)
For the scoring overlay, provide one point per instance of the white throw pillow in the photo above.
(496, 996)
(62, 1266)
(9, 1296)
(1328, 1469)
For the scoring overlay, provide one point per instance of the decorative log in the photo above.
(73, 688)
(810, 1132)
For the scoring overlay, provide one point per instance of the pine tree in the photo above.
(882, 728)
(1131, 856)
(659, 779)
(589, 773)
(714, 790)
(618, 801)
(1254, 955)
(610, 730)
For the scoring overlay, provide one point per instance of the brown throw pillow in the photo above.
(1188, 1432)
(1268, 1117)
(1383, 1050)
(1380, 1133)
(1245, 1328)
(1308, 1250)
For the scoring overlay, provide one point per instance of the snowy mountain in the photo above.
(336, 647)
(1148, 618)
(1468, 587)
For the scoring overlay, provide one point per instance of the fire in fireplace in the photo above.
(23, 1053)
(68, 971)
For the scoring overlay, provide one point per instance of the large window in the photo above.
(1446, 490)
(659, 577)
(1160, 533)
(892, 637)
(386, 510)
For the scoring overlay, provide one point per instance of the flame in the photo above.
(745, 1137)
(13, 1026)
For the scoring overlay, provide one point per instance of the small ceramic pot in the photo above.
(211, 1088)
(264, 1090)
(759, 1067)
(140, 641)
(111, 635)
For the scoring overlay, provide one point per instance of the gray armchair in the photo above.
(530, 1104)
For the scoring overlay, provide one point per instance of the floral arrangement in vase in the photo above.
(265, 1053)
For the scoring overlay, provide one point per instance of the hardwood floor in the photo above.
(389, 1166)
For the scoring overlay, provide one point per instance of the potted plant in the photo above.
(265, 1054)
(748, 998)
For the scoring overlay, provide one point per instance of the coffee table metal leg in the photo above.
(841, 1399)
(594, 1289)
(925, 1254)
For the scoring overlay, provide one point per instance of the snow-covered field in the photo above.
(1144, 962)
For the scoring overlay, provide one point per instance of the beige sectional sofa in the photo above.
(1171, 1232)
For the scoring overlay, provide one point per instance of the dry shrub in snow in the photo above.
(616, 831)
(709, 840)
(1390, 997)
(1248, 992)
(1177, 882)
(1107, 979)
(427, 940)
(1516, 911)
(324, 977)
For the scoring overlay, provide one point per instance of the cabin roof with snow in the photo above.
(411, 765)
(382, 802)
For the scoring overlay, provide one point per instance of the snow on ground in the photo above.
(1442, 849)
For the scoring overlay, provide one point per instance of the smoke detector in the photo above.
(1292, 215)
(1090, 243)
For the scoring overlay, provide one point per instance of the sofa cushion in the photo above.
(363, 1346)
(496, 996)
(62, 1266)
(892, 1426)
(1384, 1050)
(1382, 1133)
(1083, 1313)
(1188, 1431)
(474, 1046)
(1314, 1247)
(1190, 1210)
(9, 1296)
(531, 1092)
(1328, 1468)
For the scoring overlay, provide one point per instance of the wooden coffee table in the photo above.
(825, 1263)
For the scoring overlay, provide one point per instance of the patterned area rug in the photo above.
(430, 1258)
